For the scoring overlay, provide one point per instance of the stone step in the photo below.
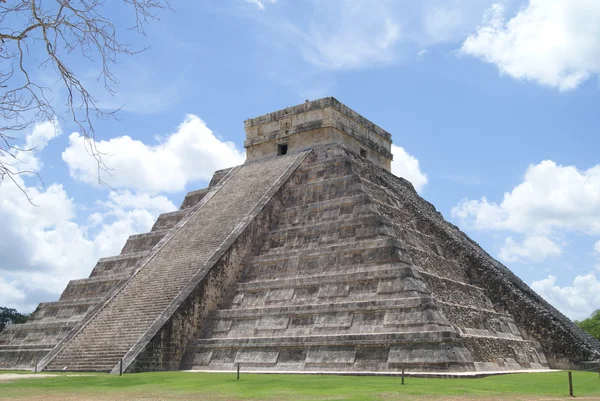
(22, 357)
(382, 194)
(329, 169)
(331, 339)
(329, 210)
(28, 326)
(355, 352)
(323, 190)
(367, 244)
(497, 353)
(323, 259)
(143, 242)
(26, 347)
(419, 351)
(326, 307)
(447, 290)
(68, 309)
(90, 356)
(432, 263)
(35, 333)
(218, 176)
(320, 234)
(417, 238)
(68, 303)
(192, 198)
(330, 323)
(477, 321)
(144, 299)
(166, 221)
(117, 264)
(362, 284)
(397, 305)
(86, 357)
(92, 287)
(352, 273)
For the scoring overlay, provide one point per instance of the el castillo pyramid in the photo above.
(311, 256)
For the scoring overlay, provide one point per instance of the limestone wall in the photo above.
(313, 123)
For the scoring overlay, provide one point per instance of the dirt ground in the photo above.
(191, 398)
(11, 376)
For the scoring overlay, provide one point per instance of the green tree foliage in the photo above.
(9, 316)
(592, 324)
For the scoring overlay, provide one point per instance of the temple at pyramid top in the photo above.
(317, 122)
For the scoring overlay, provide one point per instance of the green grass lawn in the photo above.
(203, 386)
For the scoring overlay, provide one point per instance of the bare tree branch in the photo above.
(49, 35)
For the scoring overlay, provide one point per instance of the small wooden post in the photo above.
(121, 367)
(238, 371)
(571, 384)
(35, 369)
(403, 376)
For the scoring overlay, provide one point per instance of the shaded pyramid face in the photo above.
(351, 279)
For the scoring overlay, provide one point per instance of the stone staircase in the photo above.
(22, 346)
(130, 315)
(350, 281)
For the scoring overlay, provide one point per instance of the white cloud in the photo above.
(552, 42)
(535, 248)
(25, 158)
(352, 34)
(190, 154)
(442, 23)
(421, 54)
(349, 34)
(43, 245)
(407, 166)
(261, 3)
(41, 134)
(577, 301)
(335, 35)
(10, 295)
(446, 20)
(550, 198)
(124, 214)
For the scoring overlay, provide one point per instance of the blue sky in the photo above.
(492, 107)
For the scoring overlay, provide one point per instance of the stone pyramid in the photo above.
(311, 256)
